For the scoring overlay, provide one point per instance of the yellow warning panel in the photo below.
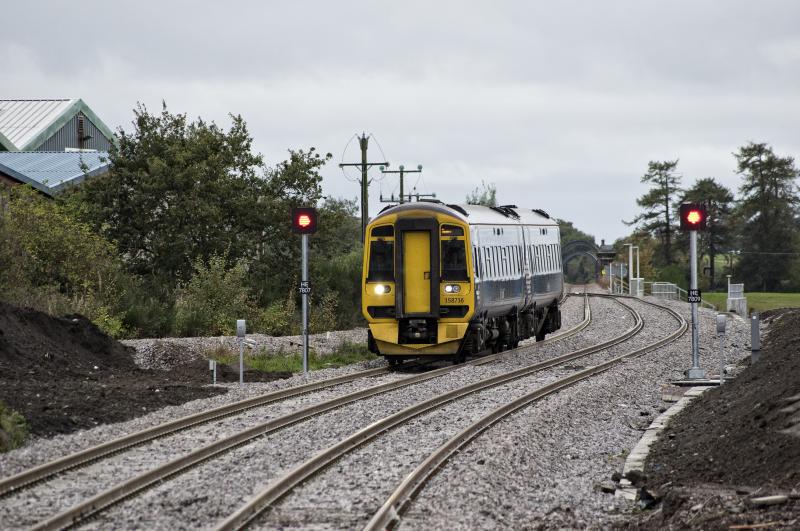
(417, 271)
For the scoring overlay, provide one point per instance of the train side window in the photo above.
(539, 256)
(547, 258)
(381, 260)
(476, 264)
(454, 260)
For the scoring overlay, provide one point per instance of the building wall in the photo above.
(67, 137)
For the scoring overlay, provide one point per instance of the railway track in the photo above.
(119, 492)
(389, 513)
(305, 470)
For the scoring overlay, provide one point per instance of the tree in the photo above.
(656, 218)
(177, 191)
(768, 209)
(718, 235)
(485, 194)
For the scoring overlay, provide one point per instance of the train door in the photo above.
(417, 272)
(417, 267)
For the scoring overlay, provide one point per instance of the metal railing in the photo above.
(668, 290)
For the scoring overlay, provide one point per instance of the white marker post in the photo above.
(241, 328)
(721, 321)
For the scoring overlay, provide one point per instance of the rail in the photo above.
(105, 499)
(396, 503)
(303, 471)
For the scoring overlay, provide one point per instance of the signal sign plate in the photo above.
(694, 296)
(305, 287)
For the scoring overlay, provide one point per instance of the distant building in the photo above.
(51, 125)
(51, 172)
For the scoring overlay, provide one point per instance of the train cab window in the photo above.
(383, 230)
(454, 259)
(381, 260)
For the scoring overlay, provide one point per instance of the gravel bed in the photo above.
(329, 501)
(49, 498)
(41, 450)
(169, 352)
(544, 465)
(186, 502)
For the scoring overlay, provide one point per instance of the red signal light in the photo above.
(304, 220)
(693, 216)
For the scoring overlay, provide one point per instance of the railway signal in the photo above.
(693, 216)
(693, 219)
(304, 222)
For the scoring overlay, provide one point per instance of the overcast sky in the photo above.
(560, 104)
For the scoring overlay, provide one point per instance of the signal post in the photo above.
(693, 219)
(304, 222)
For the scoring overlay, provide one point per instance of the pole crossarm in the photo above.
(363, 142)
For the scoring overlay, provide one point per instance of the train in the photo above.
(450, 280)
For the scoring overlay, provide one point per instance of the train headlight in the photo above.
(382, 289)
(452, 288)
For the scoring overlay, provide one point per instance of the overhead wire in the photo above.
(341, 161)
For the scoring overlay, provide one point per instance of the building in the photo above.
(51, 172)
(51, 125)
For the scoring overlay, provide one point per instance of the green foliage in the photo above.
(659, 204)
(718, 237)
(323, 314)
(177, 191)
(341, 276)
(279, 318)
(214, 298)
(54, 263)
(485, 194)
(295, 182)
(13, 429)
(581, 269)
(768, 211)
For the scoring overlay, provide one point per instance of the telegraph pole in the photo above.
(363, 142)
(402, 171)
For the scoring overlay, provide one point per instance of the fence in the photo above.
(668, 290)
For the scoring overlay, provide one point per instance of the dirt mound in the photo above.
(736, 441)
(65, 374)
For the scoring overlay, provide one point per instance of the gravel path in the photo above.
(185, 501)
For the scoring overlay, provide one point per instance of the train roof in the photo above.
(478, 214)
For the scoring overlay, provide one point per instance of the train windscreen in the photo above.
(454, 260)
(381, 261)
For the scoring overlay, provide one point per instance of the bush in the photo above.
(13, 429)
(323, 315)
(213, 299)
(51, 262)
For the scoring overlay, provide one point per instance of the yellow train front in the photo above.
(419, 281)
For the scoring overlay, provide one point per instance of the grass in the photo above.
(13, 429)
(758, 301)
(346, 354)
